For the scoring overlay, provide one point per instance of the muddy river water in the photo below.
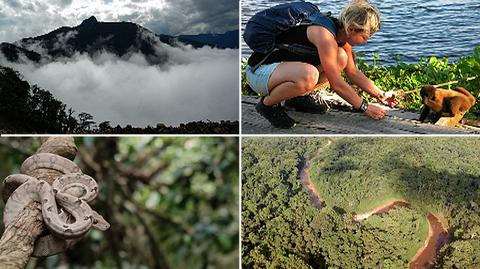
(437, 234)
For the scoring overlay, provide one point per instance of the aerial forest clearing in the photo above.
(377, 203)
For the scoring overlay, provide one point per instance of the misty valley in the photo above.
(119, 77)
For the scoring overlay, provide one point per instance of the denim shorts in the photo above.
(258, 80)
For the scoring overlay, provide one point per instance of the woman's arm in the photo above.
(358, 78)
(328, 51)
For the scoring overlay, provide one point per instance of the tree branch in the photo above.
(16, 244)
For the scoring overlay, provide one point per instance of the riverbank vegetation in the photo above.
(406, 77)
(281, 228)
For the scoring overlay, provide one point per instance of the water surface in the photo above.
(410, 29)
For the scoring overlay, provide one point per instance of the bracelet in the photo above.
(364, 106)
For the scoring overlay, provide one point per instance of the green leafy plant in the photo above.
(407, 77)
(246, 90)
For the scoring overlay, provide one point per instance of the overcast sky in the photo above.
(28, 18)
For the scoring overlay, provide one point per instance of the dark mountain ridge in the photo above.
(14, 53)
(119, 38)
(227, 40)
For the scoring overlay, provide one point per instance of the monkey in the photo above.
(445, 103)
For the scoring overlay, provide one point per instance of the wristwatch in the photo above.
(364, 106)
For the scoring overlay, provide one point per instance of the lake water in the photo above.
(410, 29)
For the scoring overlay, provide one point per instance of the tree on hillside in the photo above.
(85, 121)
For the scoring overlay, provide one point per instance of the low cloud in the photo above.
(195, 84)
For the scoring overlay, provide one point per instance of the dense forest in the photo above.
(26, 108)
(172, 202)
(281, 227)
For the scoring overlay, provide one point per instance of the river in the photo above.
(410, 29)
(437, 234)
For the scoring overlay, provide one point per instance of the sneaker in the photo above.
(306, 104)
(276, 115)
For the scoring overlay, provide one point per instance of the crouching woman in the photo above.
(287, 74)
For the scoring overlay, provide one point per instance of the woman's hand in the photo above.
(389, 98)
(375, 112)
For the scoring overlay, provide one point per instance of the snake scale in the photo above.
(64, 204)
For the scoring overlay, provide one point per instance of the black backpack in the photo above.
(263, 28)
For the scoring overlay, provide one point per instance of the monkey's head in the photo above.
(427, 93)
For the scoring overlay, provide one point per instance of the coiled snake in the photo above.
(64, 204)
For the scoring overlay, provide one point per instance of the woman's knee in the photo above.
(308, 78)
(303, 76)
(342, 59)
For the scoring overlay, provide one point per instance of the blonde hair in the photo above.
(360, 15)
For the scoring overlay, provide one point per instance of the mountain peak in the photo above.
(91, 20)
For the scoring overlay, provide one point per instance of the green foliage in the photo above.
(277, 228)
(461, 254)
(170, 200)
(427, 71)
(25, 108)
(246, 90)
(413, 76)
(356, 175)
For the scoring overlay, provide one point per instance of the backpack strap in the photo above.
(263, 60)
(298, 49)
(321, 19)
(324, 19)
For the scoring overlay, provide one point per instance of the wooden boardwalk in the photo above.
(341, 121)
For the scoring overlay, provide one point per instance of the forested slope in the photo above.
(282, 228)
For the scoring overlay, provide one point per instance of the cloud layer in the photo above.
(195, 85)
(27, 18)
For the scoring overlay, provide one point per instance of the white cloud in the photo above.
(29, 18)
(195, 85)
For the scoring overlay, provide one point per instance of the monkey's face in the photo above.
(427, 93)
